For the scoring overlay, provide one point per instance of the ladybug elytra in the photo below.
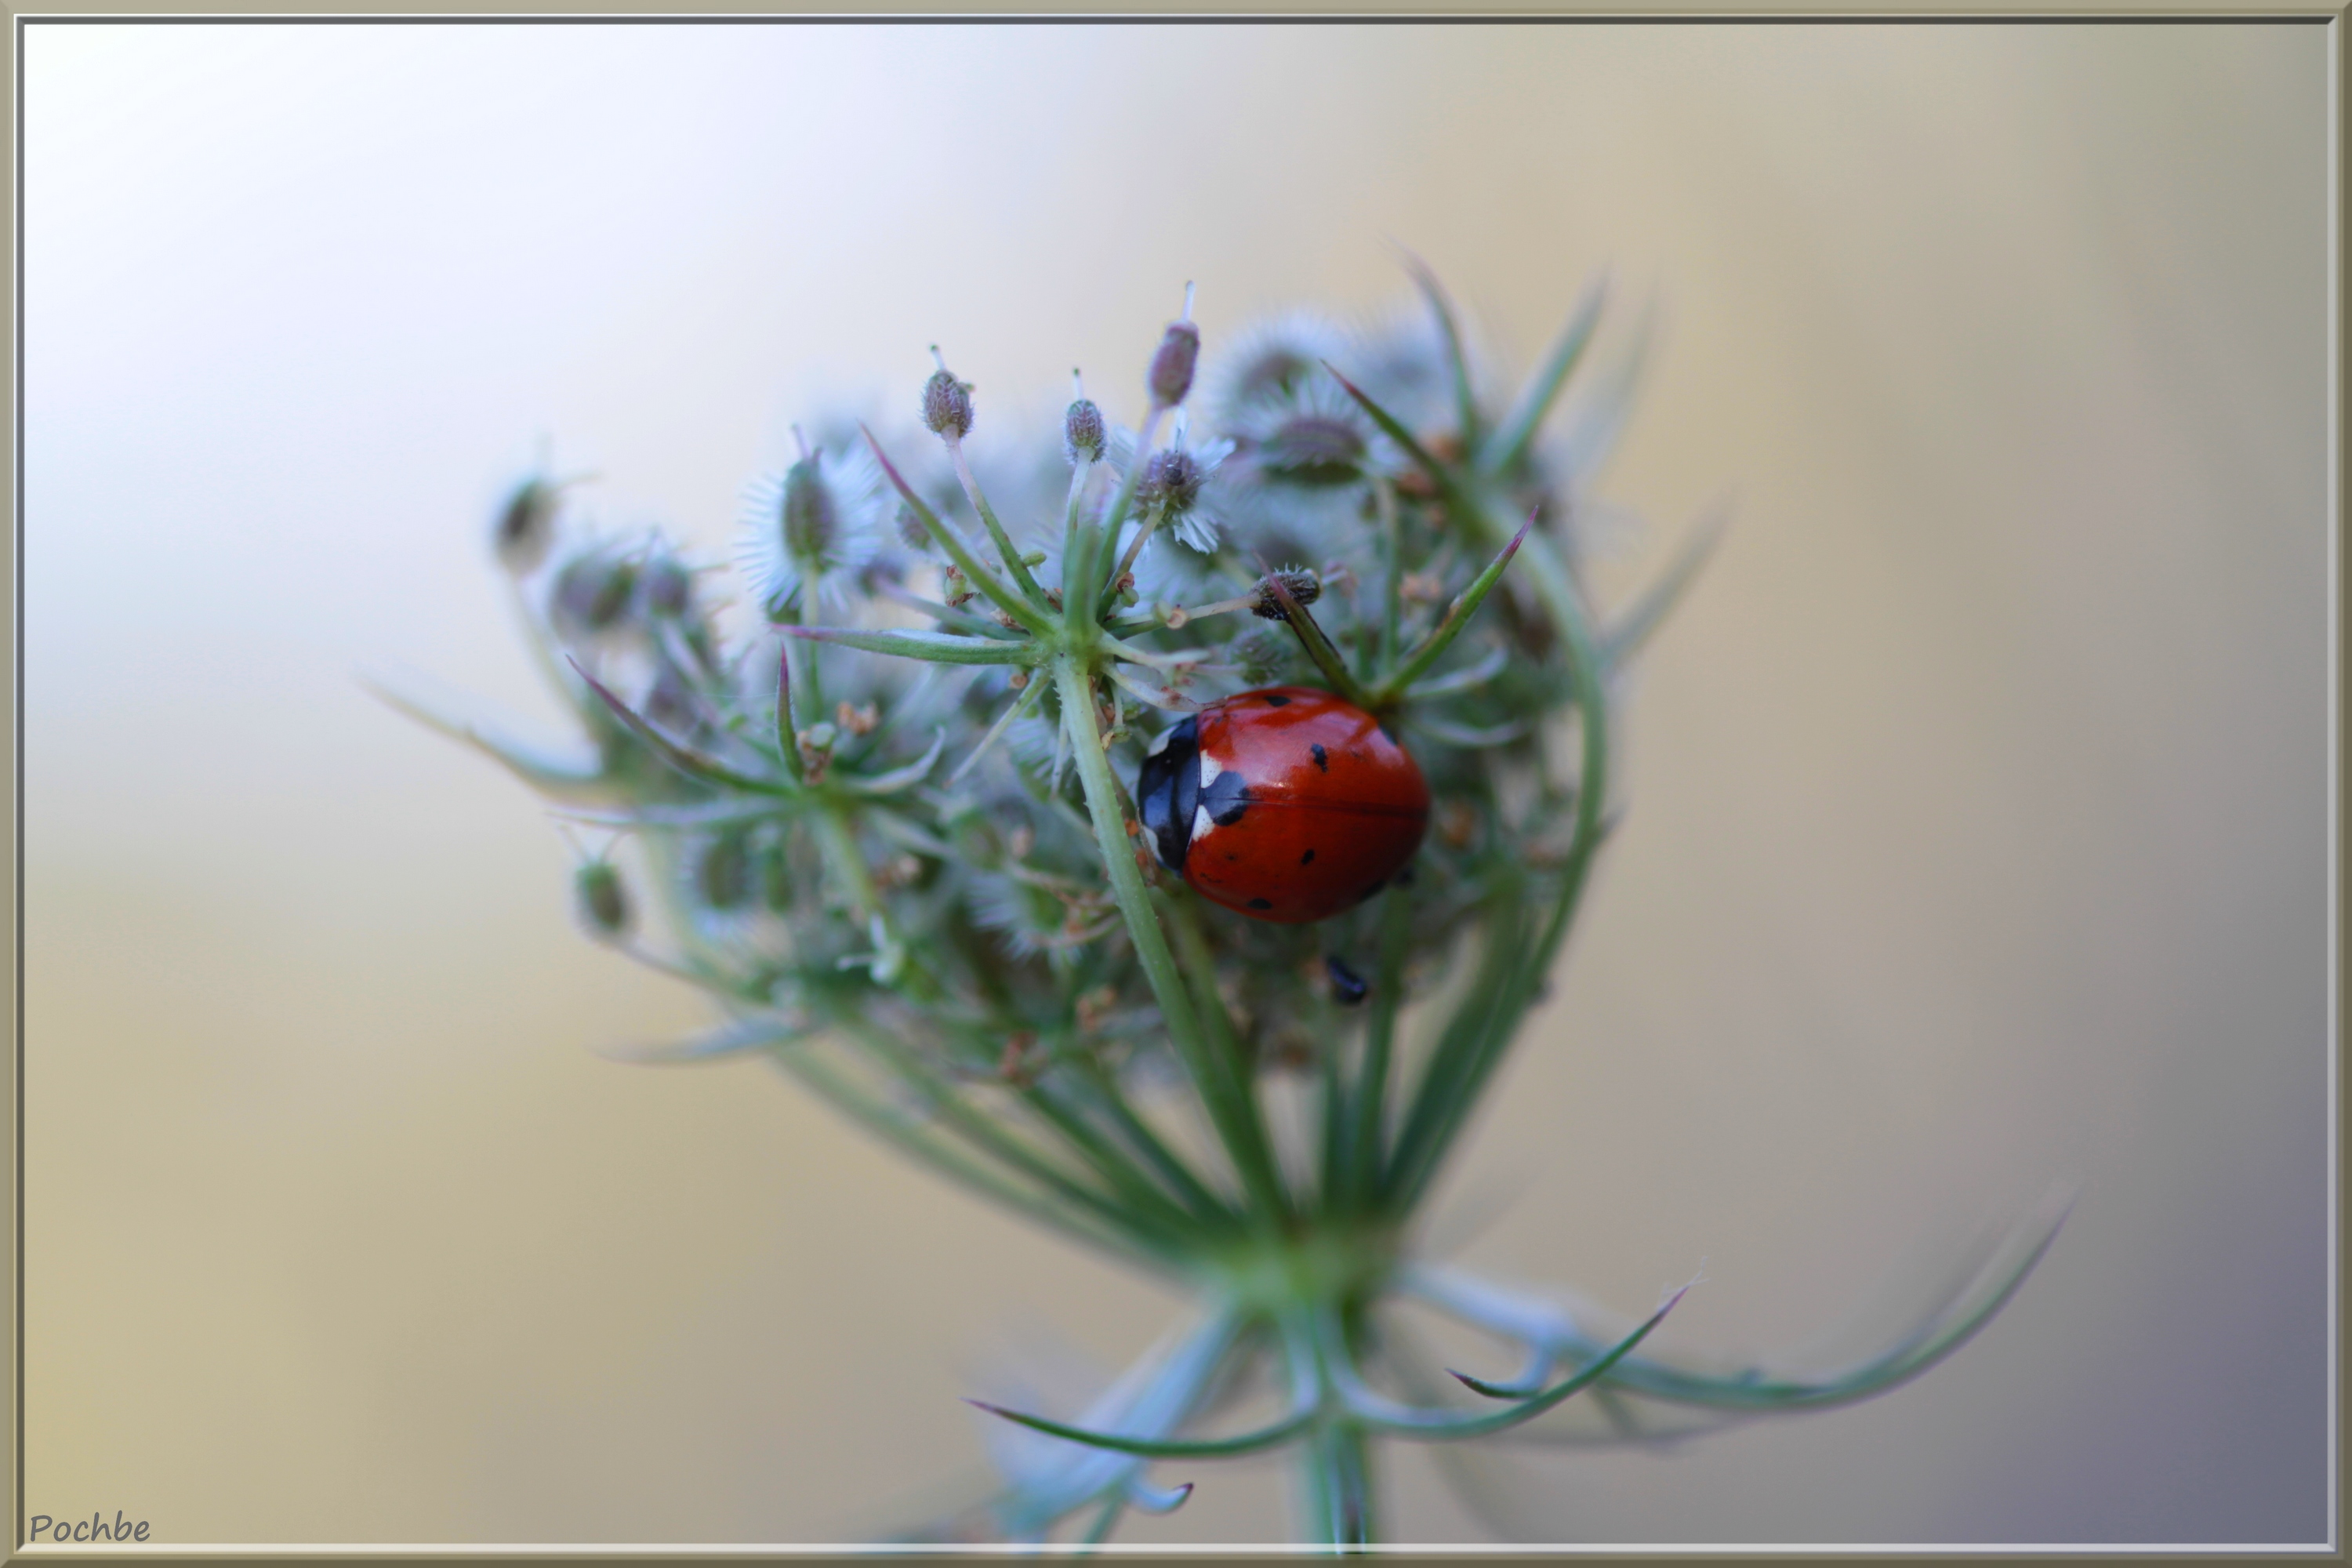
(1287, 804)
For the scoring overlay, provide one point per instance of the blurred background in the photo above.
(1976, 828)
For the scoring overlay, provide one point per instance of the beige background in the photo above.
(1977, 840)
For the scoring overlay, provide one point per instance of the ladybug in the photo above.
(1286, 804)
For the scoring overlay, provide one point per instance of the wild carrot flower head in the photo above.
(942, 838)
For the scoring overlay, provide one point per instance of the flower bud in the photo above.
(1314, 449)
(775, 878)
(1302, 587)
(912, 532)
(666, 585)
(1083, 439)
(603, 902)
(811, 516)
(526, 526)
(947, 404)
(722, 877)
(1171, 367)
(1171, 479)
(592, 594)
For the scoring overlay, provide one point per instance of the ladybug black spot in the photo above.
(1276, 700)
(1308, 858)
(1322, 760)
(1348, 987)
(1226, 798)
(1261, 904)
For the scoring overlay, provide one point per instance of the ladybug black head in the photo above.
(1169, 788)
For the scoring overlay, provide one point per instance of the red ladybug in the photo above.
(1287, 804)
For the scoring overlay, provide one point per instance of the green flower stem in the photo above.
(1014, 566)
(1154, 1150)
(1591, 793)
(1108, 1162)
(1445, 1078)
(984, 1134)
(1183, 918)
(1078, 551)
(948, 540)
(1230, 1106)
(1105, 1523)
(1335, 1473)
(801, 1065)
(787, 728)
(1337, 1126)
(1371, 1101)
(1319, 646)
(1134, 551)
(808, 693)
(1116, 517)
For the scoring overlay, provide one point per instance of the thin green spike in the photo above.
(938, 647)
(1508, 444)
(1457, 616)
(1443, 1427)
(692, 763)
(1466, 401)
(1632, 628)
(1160, 1449)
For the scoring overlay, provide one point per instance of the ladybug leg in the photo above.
(1348, 987)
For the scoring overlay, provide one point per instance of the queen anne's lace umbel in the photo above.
(887, 819)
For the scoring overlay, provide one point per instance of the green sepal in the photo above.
(936, 648)
(686, 760)
(1508, 444)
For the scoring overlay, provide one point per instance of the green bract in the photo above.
(890, 824)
